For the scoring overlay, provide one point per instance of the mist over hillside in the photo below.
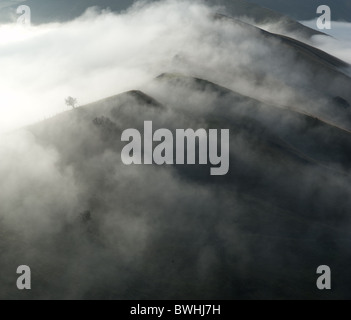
(91, 227)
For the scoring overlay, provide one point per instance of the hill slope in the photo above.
(282, 209)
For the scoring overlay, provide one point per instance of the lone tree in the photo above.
(71, 102)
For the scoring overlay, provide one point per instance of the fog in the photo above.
(91, 227)
(97, 55)
(102, 54)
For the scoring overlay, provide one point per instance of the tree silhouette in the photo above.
(71, 102)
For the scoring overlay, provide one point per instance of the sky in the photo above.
(340, 43)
